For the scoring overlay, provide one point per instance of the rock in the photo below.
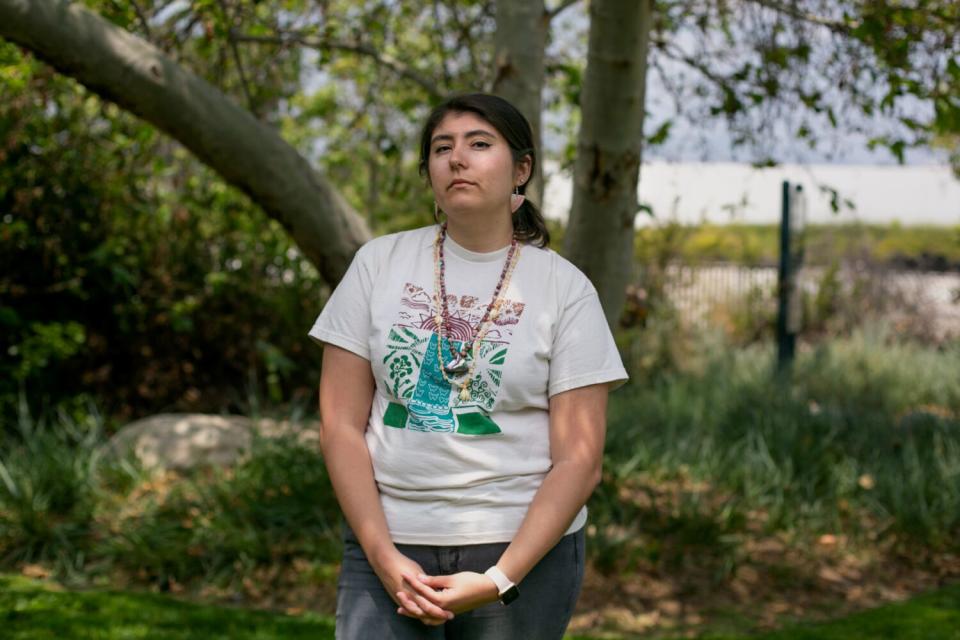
(185, 441)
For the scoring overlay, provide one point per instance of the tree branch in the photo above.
(248, 153)
(398, 67)
(837, 26)
(236, 55)
(464, 38)
(674, 54)
(560, 8)
(143, 19)
(443, 61)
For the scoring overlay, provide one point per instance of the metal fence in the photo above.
(915, 301)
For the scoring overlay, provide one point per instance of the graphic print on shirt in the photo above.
(425, 401)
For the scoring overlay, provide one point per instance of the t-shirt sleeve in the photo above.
(345, 318)
(584, 352)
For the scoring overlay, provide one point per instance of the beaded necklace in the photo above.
(464, 361)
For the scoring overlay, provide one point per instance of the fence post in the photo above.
(788, 295)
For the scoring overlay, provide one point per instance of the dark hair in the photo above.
(528, 223)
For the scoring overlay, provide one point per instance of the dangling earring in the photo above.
(516, 199)
(436, 212)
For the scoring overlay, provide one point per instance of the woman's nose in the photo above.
(456, 157)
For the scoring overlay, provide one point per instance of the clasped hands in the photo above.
(434, 599)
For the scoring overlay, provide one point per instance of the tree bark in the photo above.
(600, 230)
(249, 154)
(520, 44)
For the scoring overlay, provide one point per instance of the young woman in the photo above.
(463, 402)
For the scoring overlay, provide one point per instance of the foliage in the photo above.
(32, 610)
(48, 492)
(219, 526)
(152, 286)
(924, 247)
(347, 82)
(773, 70)
(863, 441)
(66, 505)
(134, 275)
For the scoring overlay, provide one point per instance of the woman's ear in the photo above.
(523, 170)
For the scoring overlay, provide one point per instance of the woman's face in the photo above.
(471, 167)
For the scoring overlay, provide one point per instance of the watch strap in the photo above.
(506, 590)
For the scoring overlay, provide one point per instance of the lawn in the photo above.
(32, 610)
(730, 503)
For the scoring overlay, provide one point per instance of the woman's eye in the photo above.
(481, 144)
(440, 149)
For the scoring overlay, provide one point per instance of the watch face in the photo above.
(509, 595)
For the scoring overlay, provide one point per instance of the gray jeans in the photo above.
(547, 595)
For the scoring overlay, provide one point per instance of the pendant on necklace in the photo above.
(457, 365)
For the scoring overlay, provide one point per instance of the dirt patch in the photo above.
(778, 581)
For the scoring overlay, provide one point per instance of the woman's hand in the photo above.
(455, 593)
(392, 571)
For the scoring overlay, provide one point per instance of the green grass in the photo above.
(931, 616)
(30, 610)
(701, 458)
(867, 426)
(759, 244)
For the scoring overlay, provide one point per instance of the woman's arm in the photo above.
(578, 424)
(577, 431)
(346, 396)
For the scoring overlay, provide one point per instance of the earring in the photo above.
(516, 199)
(436, 212)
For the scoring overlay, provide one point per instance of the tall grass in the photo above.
(272, 509)
(48, 490)
(69, 505)
(864, 438)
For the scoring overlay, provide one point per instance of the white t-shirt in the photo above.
(454, 472)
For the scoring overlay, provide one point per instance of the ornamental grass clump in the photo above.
(49, 490)
(863, 438)
(218, 525)
(70, 505)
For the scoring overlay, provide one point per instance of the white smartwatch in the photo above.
(506, 590)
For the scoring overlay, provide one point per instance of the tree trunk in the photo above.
(123, 68)
(600, 232)
(520, 42)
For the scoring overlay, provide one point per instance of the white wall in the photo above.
(724, 192)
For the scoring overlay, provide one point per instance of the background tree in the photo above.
(346, 84)
(767, 72)
(246, 151)
(599, 235)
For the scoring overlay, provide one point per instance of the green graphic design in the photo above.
(423, 400)
(404, 356)
(476, 424)
(395, 416)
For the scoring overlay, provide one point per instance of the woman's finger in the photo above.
(424, 590)
(426, 606)
(407, 602)
(412, 609)
(431, 608)
(435, 582)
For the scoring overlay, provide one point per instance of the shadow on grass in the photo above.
(32, 611)
(930, 616)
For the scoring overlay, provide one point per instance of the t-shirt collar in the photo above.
(451, 246)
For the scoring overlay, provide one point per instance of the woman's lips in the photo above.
(460, 183)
